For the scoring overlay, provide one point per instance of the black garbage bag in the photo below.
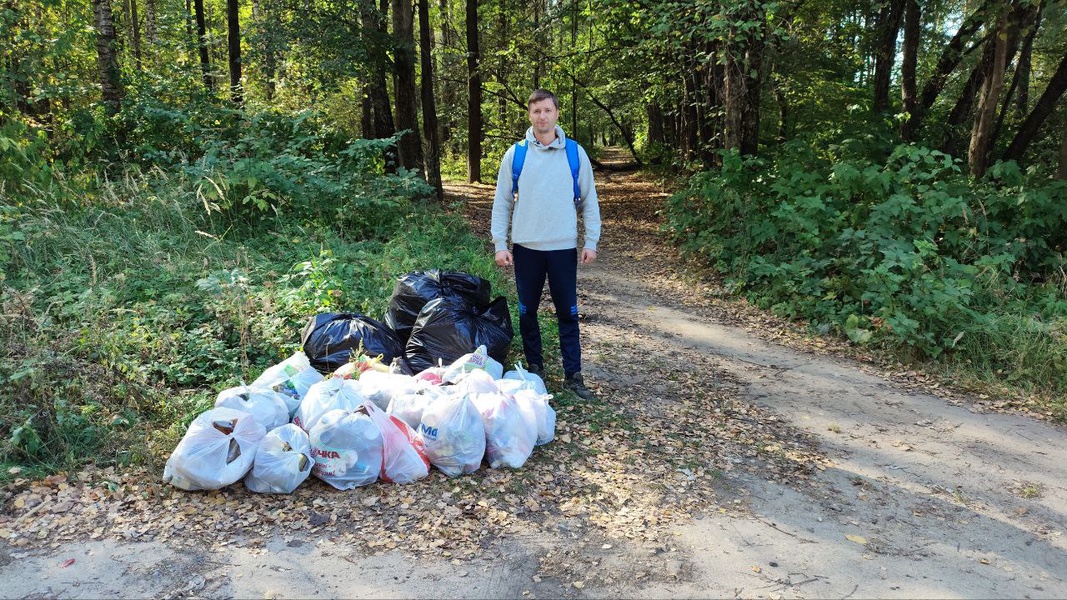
(413, 290)
(447, 329)
(329, 340)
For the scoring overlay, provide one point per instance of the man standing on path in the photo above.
(541, 210)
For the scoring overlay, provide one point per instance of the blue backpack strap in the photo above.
(572, 159)
(519, 157)
(517, 160)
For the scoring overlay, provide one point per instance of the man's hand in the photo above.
(504, 258)
(588, 256)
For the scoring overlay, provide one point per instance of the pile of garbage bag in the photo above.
(358, 405)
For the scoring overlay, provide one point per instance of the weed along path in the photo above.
(727, 456)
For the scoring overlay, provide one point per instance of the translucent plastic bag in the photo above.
(404, 456)
(381, 388)
(283, 461)
(543, 413)
(347, 446)
(292, 377)
(217, 450)
(266, 405)
(332, 394)
(477, 382)
(477, 360)
(510, 431)
(453, 435)
(409, 407)
(523, 377)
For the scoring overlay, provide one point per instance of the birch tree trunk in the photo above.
(107, 59)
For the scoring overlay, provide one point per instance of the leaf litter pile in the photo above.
(657, 448)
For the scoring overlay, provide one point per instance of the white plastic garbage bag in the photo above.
(477, 360)
(410, 407)
(510, 432)
(217, 450)
(522, 376)
(453, 435)
(543, 413)
(331, 394)
(283, 461)
(347, 447)
(266, 405)
(380, 388)
(404, 457)
(477, 382)
(292, 377)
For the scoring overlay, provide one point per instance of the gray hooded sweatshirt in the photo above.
(544, 217)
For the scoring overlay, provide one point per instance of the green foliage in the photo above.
(242, 165)
(907, 253)
(128, 307)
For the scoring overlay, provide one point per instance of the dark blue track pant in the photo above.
(560, 267)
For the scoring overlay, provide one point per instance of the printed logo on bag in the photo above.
(332, 462)
(430, 432)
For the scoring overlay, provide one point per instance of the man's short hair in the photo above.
(542, 94)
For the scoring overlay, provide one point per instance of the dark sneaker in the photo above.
(536, 370)
(575, 383)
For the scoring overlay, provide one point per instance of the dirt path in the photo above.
(728, 457)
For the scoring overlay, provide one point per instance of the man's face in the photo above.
(543, 116)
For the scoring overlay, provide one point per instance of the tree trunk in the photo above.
(733, 94)
(536, 40)
(201, 36)
(450, 94)
(135, 32)
(405, 87)
(709, 92)
(963, 110)
(373, 20)
(1044, 107)
(1025, 66)
(502, 67)
(909, 86)
(946, 64)
(233, 46)
(888, 27)
(107, 59)
(150, 28)
(429, 105)
(656, 135)
(783, 110)
(981, 133)
(575, 11)
(690, 119)
(1061, 172)
(1029, 18)
(750, 119)
(474, 96)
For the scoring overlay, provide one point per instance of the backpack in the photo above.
(572, 159)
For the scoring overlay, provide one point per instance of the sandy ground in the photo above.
(914, 495)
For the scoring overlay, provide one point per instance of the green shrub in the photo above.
(127, 312)
(908, 253)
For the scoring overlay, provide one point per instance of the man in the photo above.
(543, 221)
